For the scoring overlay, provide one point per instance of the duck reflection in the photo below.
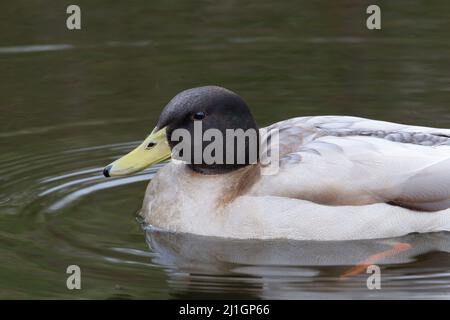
(211, 267)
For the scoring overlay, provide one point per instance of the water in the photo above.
(71, 102)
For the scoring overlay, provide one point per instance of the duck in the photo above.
(330, 178)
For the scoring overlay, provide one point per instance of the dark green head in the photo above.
(216, 108)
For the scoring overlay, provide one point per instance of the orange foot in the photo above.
(360, 267)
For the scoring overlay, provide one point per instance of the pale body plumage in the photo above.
(337, 175)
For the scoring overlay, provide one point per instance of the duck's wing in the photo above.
(306, 129)
(349, 160)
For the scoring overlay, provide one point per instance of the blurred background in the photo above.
(72, 101)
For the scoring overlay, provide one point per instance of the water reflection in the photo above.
(215, 267)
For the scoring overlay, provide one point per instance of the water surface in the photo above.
(73, 101)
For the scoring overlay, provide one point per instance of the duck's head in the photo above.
(202, 108)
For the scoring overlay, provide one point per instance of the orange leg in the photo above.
(360, 267)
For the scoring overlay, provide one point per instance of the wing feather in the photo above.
(350, 160)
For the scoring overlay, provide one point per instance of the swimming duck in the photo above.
(337, 177)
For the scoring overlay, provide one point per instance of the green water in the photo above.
(88, 96)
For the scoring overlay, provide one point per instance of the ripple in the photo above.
(48, 223)
(48, 182)
(63, 46)
(65, 188)
(71, 197)
(36, 48)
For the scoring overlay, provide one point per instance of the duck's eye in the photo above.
(151, 145)
(198, 115)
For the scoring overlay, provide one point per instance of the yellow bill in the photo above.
(153, 150)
